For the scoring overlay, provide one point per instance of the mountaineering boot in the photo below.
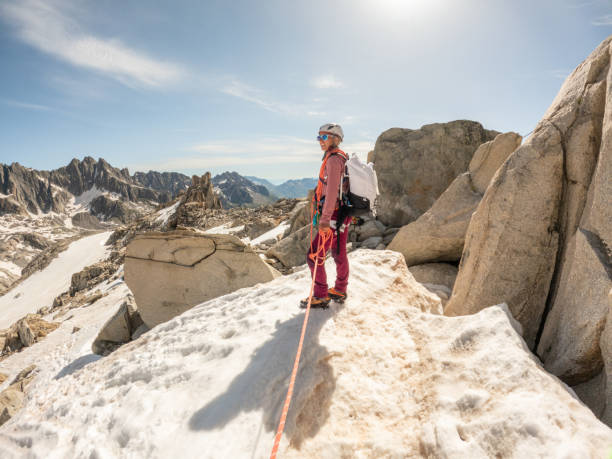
(336, 295)
(320, 303)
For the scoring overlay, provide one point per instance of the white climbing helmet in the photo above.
(332, 128)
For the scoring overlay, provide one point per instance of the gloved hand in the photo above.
(324, 228)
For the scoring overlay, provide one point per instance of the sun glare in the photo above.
(391, 9)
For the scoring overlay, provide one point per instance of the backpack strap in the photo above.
(322, 181)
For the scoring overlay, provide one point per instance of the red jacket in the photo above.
(334, 170)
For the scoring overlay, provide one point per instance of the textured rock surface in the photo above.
(489, 157)
(541, 237)
(291, 251)
(115, 210)
(12, 398)
(195, 203)
(439, 234)
(414, 167)
(511, 242)
(169, 273)
(578, 306)
(122, 327)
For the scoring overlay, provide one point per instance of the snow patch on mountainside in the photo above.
(164, 214)
(272, 234)
(41, 288)
(380, 376)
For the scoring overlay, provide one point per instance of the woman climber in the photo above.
(331, 232)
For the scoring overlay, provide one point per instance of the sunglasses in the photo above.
(323, 137)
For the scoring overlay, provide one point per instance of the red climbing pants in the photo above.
(339, 256)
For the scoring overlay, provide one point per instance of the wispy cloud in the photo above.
(605, 20)
(327, 82)
(241, 90)
(45, 26)
(26, 105)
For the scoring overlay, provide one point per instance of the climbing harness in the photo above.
(319, 258)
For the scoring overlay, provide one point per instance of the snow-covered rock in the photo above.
(380, 376)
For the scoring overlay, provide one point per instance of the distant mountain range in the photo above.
(24, 190)
(290, 189)
(235, 190)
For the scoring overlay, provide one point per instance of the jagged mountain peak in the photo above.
(236, 190)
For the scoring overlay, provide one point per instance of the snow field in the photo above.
(41, 288)
(272, 234)
(380, 376)
(224, 229)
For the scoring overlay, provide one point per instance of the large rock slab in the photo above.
(541, 238)
(570, 346)
(490, 156)
(439, 234)
(414, 167)
(512, 238)
(169, 273)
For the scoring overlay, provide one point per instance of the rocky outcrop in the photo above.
(25, 190)
(201, 192)
(169, 273)
(300, 216)
(414, 167)
(12, 398)
(439, 234)
(87, 221)
(114, 210)
(540, 238)
(24, 333)
(516, 220)
(92, 275)
(125, 325)
(194, 204)
(291, 250)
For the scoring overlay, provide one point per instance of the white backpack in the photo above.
(363, 188)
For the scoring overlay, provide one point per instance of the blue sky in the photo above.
(192, 86)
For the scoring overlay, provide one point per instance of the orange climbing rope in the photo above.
(319, 258)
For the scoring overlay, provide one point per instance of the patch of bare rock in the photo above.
(24, 333)
(12, 398)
